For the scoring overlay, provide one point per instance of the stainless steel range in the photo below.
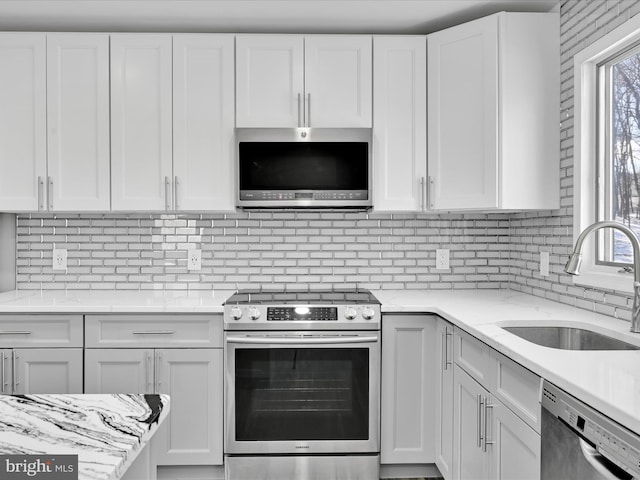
(302, 385)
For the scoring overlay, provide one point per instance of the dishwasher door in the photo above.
(580, 443)
(566, 456)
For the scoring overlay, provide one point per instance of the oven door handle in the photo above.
(301, 340)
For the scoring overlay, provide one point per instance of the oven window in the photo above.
(302, 394)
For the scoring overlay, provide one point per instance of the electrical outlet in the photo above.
(59, 259)
(194, 259)
(544, 264)
(442, 259)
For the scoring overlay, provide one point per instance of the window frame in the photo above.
(589, 147)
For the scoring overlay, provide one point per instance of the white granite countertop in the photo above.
(107, 432)
(112, 301)
(609, 381)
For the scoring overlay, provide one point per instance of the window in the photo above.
(607, 152)
(618, 180)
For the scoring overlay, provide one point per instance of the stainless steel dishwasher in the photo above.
(579, 442)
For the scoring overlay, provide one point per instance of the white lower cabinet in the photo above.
(444, 399)
(183, 359)
(408, 393)
(40, 370)
(493, 439)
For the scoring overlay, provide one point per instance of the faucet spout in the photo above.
(573, 264)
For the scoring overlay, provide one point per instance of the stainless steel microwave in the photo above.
(304, 167)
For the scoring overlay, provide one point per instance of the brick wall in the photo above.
(282, 249)
(581, 23)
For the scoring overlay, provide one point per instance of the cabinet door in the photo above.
(78, 121)
(192, 433)
(408, 393)
(469, 461)
(269, 80)
(400, 123)
(141, 122)
(444, 399)
(463, 119)
(338, 81)
(203, 122)
(515, 452)
(47, 370)
(23, 149)
(118, 371)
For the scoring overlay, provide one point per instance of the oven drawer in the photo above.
(161, 331)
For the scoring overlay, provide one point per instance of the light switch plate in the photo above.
(442, 259)
(59, 259)
(194, 259)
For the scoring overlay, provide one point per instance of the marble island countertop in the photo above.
(107, 432)
(607, 380)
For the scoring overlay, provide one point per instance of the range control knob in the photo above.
(254, 313)
(350, 313)
(368, 313)
(236, 313)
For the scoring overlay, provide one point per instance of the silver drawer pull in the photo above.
(14, 332)
(155, 332)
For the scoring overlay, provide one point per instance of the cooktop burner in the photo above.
(319, 297)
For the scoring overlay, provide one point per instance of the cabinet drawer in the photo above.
(518, 388)
(136, 331)
(18, 330)
(473, 356)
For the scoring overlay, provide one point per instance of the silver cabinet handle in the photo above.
(479, 425)
(15, 372)
(2, 381)
(299, 109)
(445, 348)
(15, 332)
(422, 194)
(175, 192)
(154, 332)
(167, 193)
(308, 110)
(40, 195)
(148, 374)
(158, 372)
(430, 192)
(486, 442)
(50, 193)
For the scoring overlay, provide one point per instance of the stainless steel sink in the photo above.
(567, 338)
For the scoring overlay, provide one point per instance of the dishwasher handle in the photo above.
(606, 468)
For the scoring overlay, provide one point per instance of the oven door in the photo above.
(302, 392)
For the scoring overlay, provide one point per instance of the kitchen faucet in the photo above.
(573, 264)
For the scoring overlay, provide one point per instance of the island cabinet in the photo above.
(493, 95)
(496, 415)
(172, 122)
(286, 81)
(409, 344)
(40, 354)
(180, 355)
(400, 122)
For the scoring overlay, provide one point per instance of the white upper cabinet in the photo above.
(400, 123)
(141, 122)
(203, 122)
(493, 95)
(338, 81)
(293, 81)
(23, 150)
(78, 122)
(269, 80)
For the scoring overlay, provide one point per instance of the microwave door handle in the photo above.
(301, 340)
